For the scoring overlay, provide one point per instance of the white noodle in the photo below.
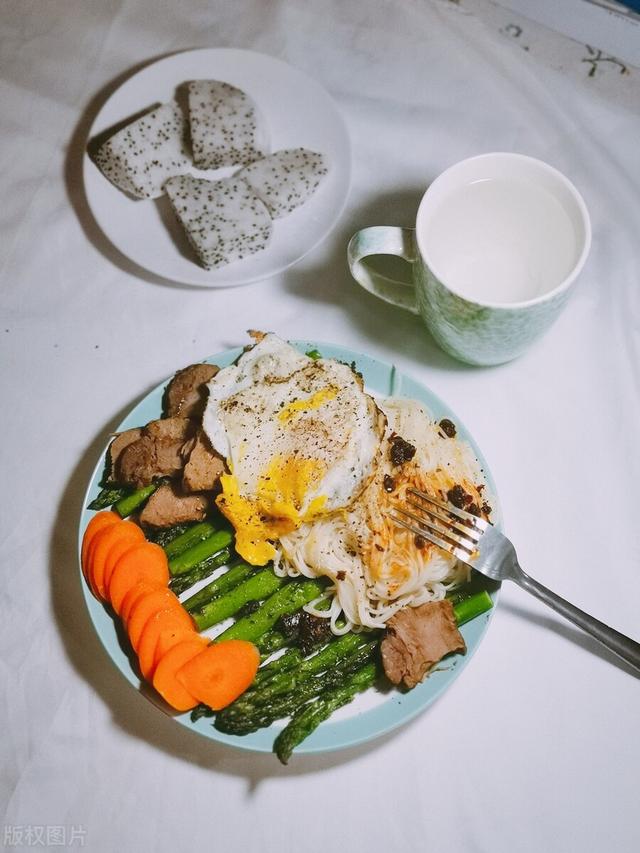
(367, 591)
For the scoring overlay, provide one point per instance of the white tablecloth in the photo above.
(536, 747)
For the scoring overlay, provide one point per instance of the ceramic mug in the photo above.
(498, 243)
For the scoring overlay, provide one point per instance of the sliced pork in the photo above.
(159, 452)
(168, 505)
(417, 638)
(186, 394)
(203, 468)
(122, 440)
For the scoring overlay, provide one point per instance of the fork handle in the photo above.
(618, 643)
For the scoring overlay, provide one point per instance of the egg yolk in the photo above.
(313, 402)
(277, 508)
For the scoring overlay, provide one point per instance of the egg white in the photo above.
(299, 436)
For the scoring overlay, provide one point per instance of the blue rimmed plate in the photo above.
(374, 713)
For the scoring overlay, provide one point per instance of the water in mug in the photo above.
(501, 241)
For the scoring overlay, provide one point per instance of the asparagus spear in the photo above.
(128, 504)
(271, 642)
(191, 536)
(262, 714)
(337, 653)
(292, 596)
(202, 570)
(222, 584)
(164, 535)
(473, 606)
(308, 717)
(200, 551)
(290, 659)
(108, 496)
(260, 585)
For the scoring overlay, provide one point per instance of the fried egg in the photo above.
(300, 438)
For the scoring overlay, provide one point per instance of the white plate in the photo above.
(298, 113)
(372, 713)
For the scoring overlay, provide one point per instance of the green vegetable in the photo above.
(200, 551)
(108, 496)
(284, 680)
(222, 584)
(255, 588)
(290, 598)
(314, 354)
(473, 606)
(271, 642)
(201, 711)
(290, 659)
(180, 583)
(163, 535)
(191, 536)
(240, 719)
(307, 718)
(125, 506)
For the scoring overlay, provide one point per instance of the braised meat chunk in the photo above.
(159, 452)
(186, 394)
(417, 638)
(204, 466)
(168, 505)
(122, 440)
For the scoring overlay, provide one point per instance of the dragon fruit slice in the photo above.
(224, 125)
(224, 220)
(139, 158)
(286, 179)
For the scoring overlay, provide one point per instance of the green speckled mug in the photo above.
(498, 243)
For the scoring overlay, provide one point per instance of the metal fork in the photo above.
(480, 545)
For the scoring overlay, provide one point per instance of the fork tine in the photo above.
(470, 532)
(440, 529)
(435, 540)
(462, 514)
(462, 548)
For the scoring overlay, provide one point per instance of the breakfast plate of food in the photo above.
(241, 562)
(217, 167)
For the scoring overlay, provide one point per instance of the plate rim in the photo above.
(195, 280)
(247, 743)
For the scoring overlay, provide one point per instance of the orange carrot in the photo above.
(99, 520)
(220, 673)
(164, 677)
(169, 623)
(100, 550)
(120, 547)
(169, 638)
(134, 594)
(144, 562)
(148, 606)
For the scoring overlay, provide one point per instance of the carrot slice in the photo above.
(100, 550)
(122, 544)
(144, 562)
(148, 606)
(99, 520)
(220, 673)
(169, 622)
(135, 593)
(169, 638)
(164, 677)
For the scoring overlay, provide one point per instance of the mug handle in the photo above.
(384, 240)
